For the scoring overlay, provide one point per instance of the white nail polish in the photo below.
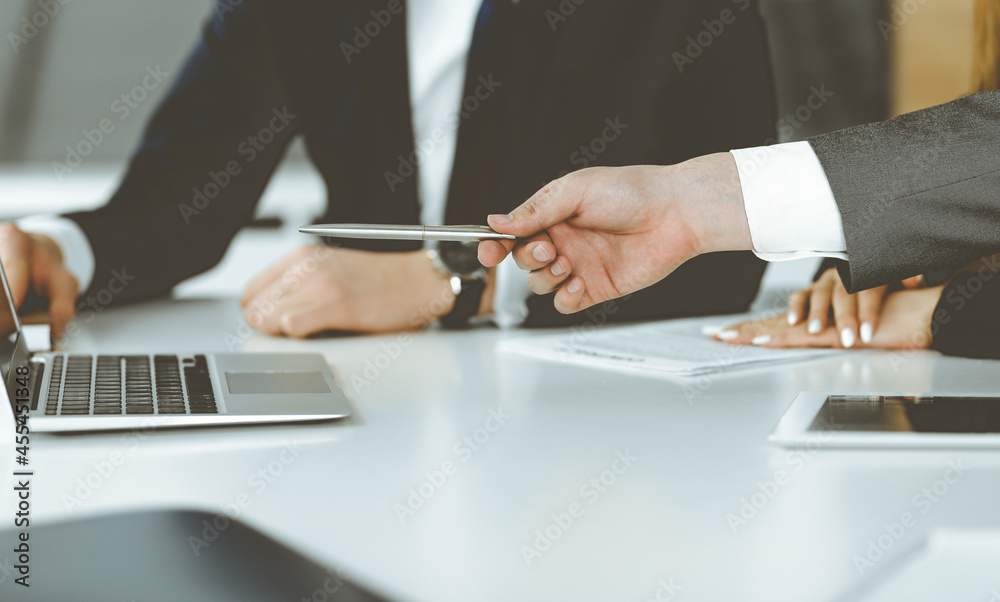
(709, 331)
(728, 335)
(762, 339)
(815, 326)
(866, 333)
(793, 318)
(847, 338)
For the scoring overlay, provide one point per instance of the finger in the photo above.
(263, 311)
(819, 306)
(554, 203)
(535, 253)
(302, 321)
(779, 336)
(266, 279)
(549, 278)
(750, 332)
(62, 289)
(799, 337)
(732, 334)
(739, 334)
(270, 276)
(914, 282)
(845, 316)
(797, 302)
(492, 252)
(775, 332)
(15, 252)
(869, 308)
(569, 297)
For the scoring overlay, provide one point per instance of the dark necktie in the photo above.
(478, 154)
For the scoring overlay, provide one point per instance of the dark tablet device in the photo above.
(890, 420)
(165, 556)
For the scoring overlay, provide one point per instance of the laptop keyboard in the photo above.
(83, 385)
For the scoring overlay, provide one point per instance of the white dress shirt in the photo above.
(439, 33)
(789, 203)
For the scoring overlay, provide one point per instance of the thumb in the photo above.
(554, 203)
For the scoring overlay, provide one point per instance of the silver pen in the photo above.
(395, 232)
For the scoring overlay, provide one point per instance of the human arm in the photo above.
(201, 164)
(966, 205)
(919, 192)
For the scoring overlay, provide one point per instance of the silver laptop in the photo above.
(88, 392)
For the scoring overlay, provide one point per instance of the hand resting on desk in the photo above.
(825, 309)
(958, 318)
(318, 288)
(904, 323)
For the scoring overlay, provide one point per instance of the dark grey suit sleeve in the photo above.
(919, 192)
(966, 320)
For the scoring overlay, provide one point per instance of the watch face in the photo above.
(462, 258)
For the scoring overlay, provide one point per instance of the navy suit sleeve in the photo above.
(201, 166)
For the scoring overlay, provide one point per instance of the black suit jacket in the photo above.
(917, 193)
(921, 192)
(677, 78)
(966, 320)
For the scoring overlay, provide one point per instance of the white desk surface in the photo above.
(664, 520)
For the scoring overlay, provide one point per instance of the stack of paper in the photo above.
(675, 347)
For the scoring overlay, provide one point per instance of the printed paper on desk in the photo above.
(672, 347)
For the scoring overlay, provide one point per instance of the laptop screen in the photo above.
(12, 346)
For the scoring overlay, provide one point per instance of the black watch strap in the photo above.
(466, 304)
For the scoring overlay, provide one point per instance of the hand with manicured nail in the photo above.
(904, 322)
(601, 233)
(855, 317)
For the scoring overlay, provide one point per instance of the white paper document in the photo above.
(672, 347)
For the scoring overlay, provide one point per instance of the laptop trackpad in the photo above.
(290, 382)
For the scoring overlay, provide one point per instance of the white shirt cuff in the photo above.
(510, 296)
(78, 257)
(789, 203)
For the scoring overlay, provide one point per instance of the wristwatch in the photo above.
(459, 263)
